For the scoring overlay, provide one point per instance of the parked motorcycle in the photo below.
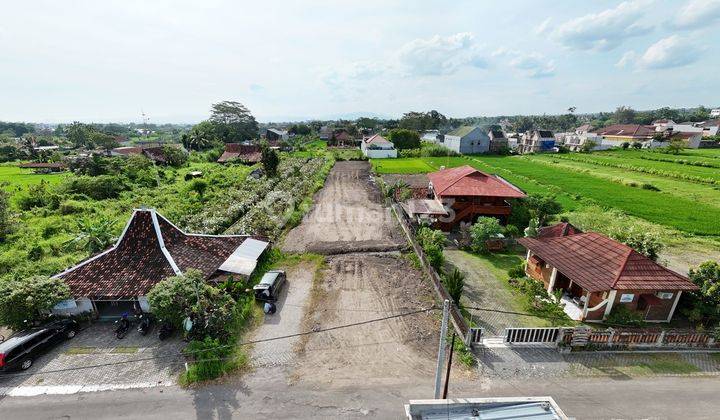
(165, 331)
(145, 323)
(123, 326)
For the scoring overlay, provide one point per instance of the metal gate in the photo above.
(532, 335)
(474, 336)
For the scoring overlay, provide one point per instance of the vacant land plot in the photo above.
(359, 287)
(348, 216)
(402, 166)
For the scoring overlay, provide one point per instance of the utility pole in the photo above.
(441, 348)
(447, 369)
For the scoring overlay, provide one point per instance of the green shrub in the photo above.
(621, 315)
(96, 187)
(71, 207)
(484, 229)
(211, 359)
(29, 299)
(516, 272)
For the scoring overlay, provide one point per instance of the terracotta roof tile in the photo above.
(468, 181)
(136, 263)
(245, 152)
(598, 263)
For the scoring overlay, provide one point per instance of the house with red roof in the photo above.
(243, 153)
(149, 250)
(597, 274)
(378, 147)
(467, 193)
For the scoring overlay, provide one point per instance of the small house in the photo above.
(498, 141)
(276, 135)
(378, 147)
(44, 167)
(466, 193)
(537, 141)
(467, 140)
(245, 153)
(149, 250)
(597, 274)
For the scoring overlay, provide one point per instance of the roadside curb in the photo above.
(32, 391)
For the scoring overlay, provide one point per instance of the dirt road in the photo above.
(348, 216)
(359, 287)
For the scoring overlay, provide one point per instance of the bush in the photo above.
(454, 283)
(621, 315)
(28, 299)
(211, 360)
(484, 229)
(71, 207)
(516, 272)
(99, 187)
(404, 139)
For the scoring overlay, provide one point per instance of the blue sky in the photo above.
(110, 60)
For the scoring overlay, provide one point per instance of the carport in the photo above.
(110, 309)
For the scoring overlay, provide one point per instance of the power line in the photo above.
(282, 337)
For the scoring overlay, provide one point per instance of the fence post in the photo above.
(661, 339)
(611, 337)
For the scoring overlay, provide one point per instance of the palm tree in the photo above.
(454, 283)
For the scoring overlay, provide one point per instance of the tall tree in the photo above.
(201, 137)
(234, 121)
(624, 115)
(78, 134)
(405, 139)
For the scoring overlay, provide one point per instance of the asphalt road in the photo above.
(601, 398)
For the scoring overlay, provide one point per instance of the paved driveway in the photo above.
(95, 359)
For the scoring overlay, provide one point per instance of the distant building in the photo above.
(467, 140)
(710, 128)
(498, 141)
(537, 141)
(244, 153)
(715, 113)
(617, 134)
(325, 133)
(378, 147)
(276, 135)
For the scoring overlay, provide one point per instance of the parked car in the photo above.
(270, 285)
(21, 349)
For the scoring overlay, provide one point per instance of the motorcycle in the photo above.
(123, 326)
(166, 330)
(145, 324)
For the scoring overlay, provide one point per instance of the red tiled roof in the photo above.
(377, 139)
(137, 262)
(246, 152)
(560, 229)
(468, 181)
(628, 130)
(598, 263)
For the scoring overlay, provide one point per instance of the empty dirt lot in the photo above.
(358, 287)
(348, 216)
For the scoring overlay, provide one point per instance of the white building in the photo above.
(378, 147)
(467, 140)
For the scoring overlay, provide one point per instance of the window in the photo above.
(664, 295)
(626, 297)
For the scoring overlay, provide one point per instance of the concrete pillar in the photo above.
(672, 311)
(609, 305)
(553, 277)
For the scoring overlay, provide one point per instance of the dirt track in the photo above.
(356, 288)
(347, 217)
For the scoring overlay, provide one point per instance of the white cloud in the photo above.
(605, 30)
(626, 60)
(533, 65)
(669, 52)
(543, 27)
(441, 55)
(698, 13)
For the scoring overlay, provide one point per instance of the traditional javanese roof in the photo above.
(149, 250)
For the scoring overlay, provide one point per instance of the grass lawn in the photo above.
(402, 166)
(21, 177)
(640, 365)
(486, 286)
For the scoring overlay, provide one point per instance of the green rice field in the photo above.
(20, 177)
(686, 200)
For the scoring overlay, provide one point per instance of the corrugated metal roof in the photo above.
(462, 131)
(244, 259)
(535, 408)
(426, 207)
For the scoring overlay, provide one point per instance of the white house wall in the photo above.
(380, 153)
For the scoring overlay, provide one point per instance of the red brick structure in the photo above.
(598, 274)
(470, 193)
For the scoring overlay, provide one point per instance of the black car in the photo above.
(270, 285)
(20, 349)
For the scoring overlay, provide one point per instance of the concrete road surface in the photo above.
(601, 398)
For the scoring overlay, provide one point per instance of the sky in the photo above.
(103, 61)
